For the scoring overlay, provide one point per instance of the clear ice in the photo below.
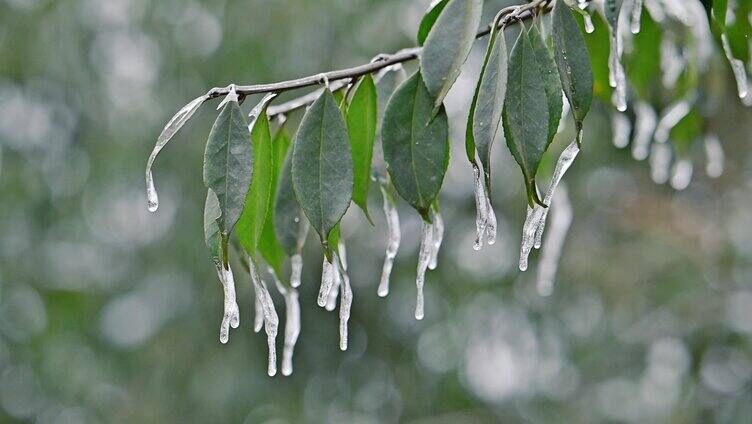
(436, 239)
(645, 122)
(561, 219)
(715, 156)
(636, 15)
(327, 281)
(566, 159)
(231, 317)
(393, 242)
(424, 256)
(271, 321)
(296, 269)
(292, 322)
(737, 66)
(481, 205)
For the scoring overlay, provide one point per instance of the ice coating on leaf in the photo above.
(331, 300)
(645, 122)
(670, 118)
(271, 321)
(424, 256)
(620, 128)
(327, 281)
(231, 317)
(636, 15)
(436, 238)
(681, 174)
(232, 96)
(565, 109)
(715, 156)
(481, 205)
(170, 129)
(566, 159)
(737, 66)
(260, 106)
(296, 269)
(292, 322)
(561, 219)
(660, 161)
(258, 319)
(393, 242)
(491, 226)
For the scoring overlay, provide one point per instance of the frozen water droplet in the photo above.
(393, 242)
(481, 203)
(670, 118)
(292, 330)
(423, 258)
(437, 238)
(737, 66)
(231, 311)
(297, 219)
(331, 301)
(681, 174)
(258, 319)
(296, 269)
(636, 15)
(620, 128)
(152, 200)
(566, 159)
(583, 4)
(561, 219)
(345, 301)
(715, 156)
(660, 160)
(327, 280)
(491, 223)
(271, 321)
(645, 122)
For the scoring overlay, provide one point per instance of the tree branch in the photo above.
(342, 77)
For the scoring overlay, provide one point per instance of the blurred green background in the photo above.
(111, 314)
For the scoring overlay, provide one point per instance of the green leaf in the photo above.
(719, 13)
(488, 102)
(211, 227)
(552, 84)
(739, 33)
(644, 64)
(415, 144)
(573, 62)
(361, 126)
(288, 217)
(447, 46)
(228, 163)
(269, 246)
(525, 115)
(252, 220)
(322, 166)
(434, 9)
(334, 237)
(598, 46)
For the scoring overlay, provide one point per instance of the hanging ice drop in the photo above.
(566, 159)
(152, 200)
(393, 242)
(660, 160)
(620, 128)
(231, 316)
(715, 156)
(271, 321)
(645, 122)
(327, 280)
(737, 66)
(561, 219)
(296, 269)
(481, 213)
(423, 258)
(436, 239)
(681, 174)
(636, 15)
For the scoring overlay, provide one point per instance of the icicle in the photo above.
(645, 122)
(424, 257)
(565, 109)
(681, 174)
(491, 226)
(231, 317)
(152, 200)
(292, 322)
(737, 66)
(481, 204)
(620, 127)
(561, 219)
(714, 153)
(327, 281)
(670, 118)
(258, 319)
(393, 229)
(636, 15)
(529, 229)
(589, 28)
(660, 160)
(437, 238)
(331, 301)
(271, 321)
(566, 159)
(296, 269)
(616, 76)
(672, 62)
(345, 301)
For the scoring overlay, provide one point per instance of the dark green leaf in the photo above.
(416, 147)
(525, 115)
(488, 102)
(288, 217)
(552, 84)
(719, 13)
(572, 62)
(211, 228)
(434, 9)
(447, 46)
(598, 46)
(644, 64)
(228, 163)
(257, 201)
(739, 33)
(269, 246)
(322, 166)
(361, 126)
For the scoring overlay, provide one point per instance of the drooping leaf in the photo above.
(361, 126)
(415, 144)
(270, 248)
(551, 82)
(288, 217)
(251, 222)
(211, 227)
(484, 118)
(719, 9)
(434, 9)
(525, 115)
(573, 62)
(447, 46)
(739, 33)
(228, 163)
(322, 165)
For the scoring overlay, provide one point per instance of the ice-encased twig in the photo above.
(231, 316)
(561, 219)
(393, 242)
(424, 256)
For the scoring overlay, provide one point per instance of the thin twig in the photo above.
(511, 14)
